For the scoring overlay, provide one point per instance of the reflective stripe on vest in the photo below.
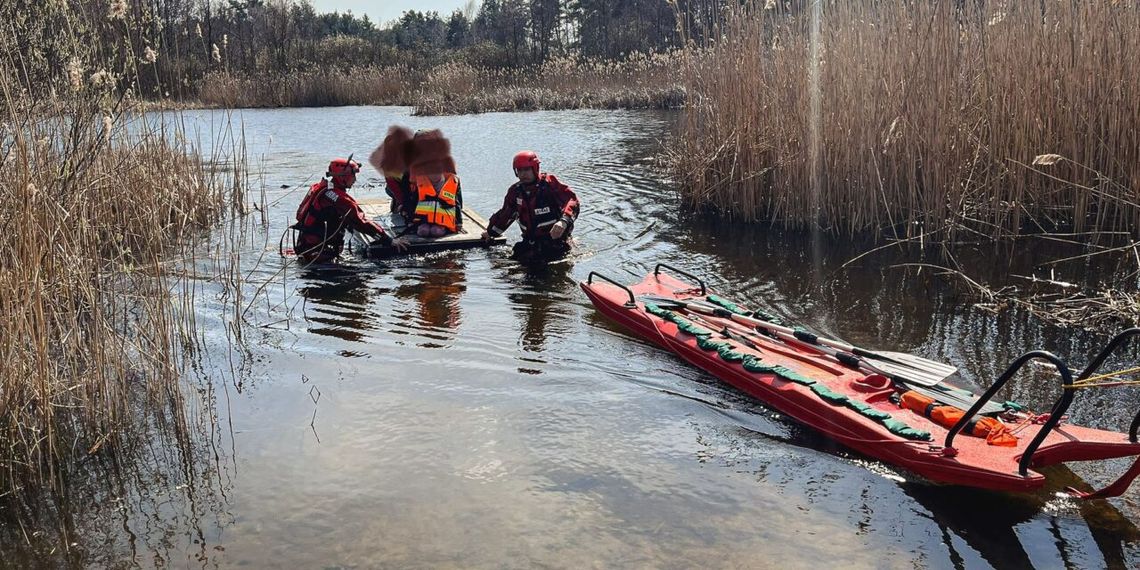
(437, 207)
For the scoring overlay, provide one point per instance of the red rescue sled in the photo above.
(833, 392)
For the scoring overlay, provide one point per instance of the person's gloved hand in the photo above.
(558, 229)
(486, 235)
(401, 243)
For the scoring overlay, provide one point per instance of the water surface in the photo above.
(458, 410)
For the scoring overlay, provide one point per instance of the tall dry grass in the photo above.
(93, 328)
(366, 86)
(97, 205)
(639, 81)
(930, 117)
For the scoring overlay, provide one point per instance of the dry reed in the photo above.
(637, 82)
(929, 115)
(96, 202)
(91, 336)
(1060, 304)
(367, 86)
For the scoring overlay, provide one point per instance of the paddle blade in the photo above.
(910, 375)
(663, 302)
(924, 371)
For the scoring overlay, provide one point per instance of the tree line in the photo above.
(174, 43)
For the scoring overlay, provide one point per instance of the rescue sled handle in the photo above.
(1099, 360)
(657, 271)
(1068, 391)
(631, 304)
(1055, 414)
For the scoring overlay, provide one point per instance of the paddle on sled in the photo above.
(900, 375)
(916, 369)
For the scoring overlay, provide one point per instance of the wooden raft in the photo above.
(378, 209)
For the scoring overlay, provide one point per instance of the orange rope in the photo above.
(1021, 425)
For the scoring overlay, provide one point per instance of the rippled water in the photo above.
(459, 410)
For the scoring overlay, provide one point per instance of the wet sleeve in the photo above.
(506, 215)
(567, 199)
(394, 191)
(355, 219)
(397, 189)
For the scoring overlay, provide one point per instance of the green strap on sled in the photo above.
(728, 354)
(752, 363)
(727, 305)
(684, 325)
(867, 410)
(707, 343)
(827, 394)
(734, 308)
(902, 430)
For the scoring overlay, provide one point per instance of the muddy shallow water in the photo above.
(459, 410)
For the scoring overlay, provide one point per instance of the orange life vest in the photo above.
(993, 430)
(437, 207)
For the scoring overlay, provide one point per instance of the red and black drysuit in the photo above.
(537, 206)
(323, 217)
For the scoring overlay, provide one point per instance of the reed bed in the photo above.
(96, 204)
(639, 81)
(366, 86)
(930, 118)
(102, 208)
(1096, 308)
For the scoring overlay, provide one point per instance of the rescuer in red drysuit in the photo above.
(544, 207)
(328, 211)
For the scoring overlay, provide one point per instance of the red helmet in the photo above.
(526, 159)
(341, 169)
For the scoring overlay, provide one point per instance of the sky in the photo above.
(382, 11)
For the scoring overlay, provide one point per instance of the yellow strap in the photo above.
(1094, 379)
(1105, 385)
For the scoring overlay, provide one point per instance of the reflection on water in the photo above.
(337, 299)
(435, 292)
(154, 496)
(476, 413)
(992, 527)
(537, 292)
